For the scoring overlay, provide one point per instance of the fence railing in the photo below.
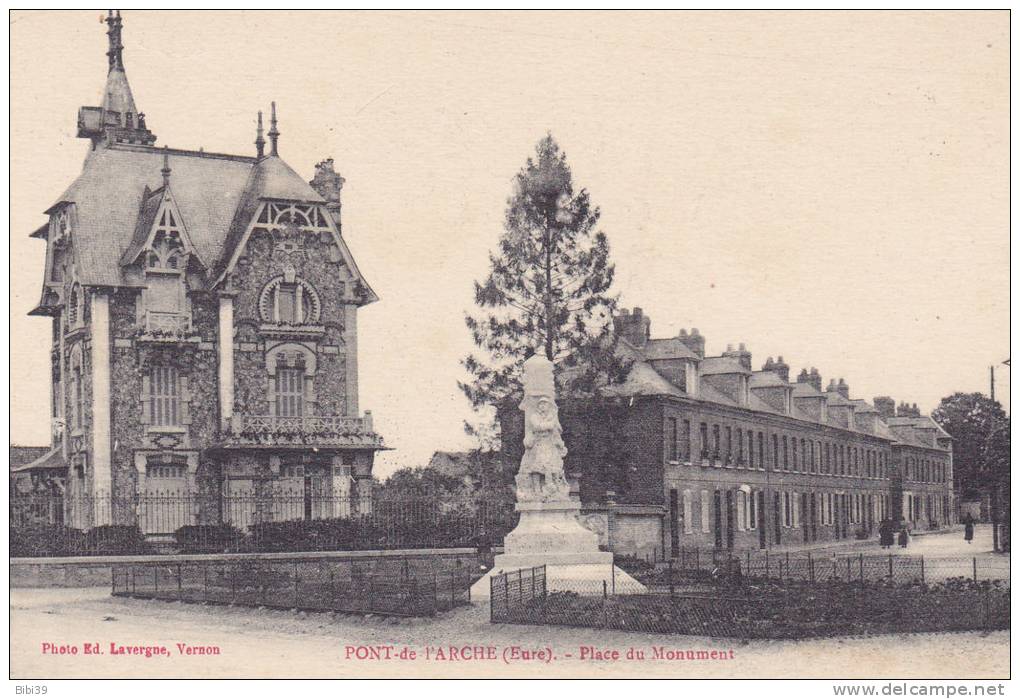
(317, 585)
(817, 566)
(274, 521)
(778, 609)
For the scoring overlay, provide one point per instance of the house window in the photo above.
(761, 450)
(706, 509)
(688, 513)
(715, 441)
(752, 511)
(740, 445)
(775, 452)
(685, 442)
(79, 396)
(289, 392)
(159, 470)
(75, 307)
(289, 300)
(786, 454)
(673, 438)
(704, 440)
(165, 396)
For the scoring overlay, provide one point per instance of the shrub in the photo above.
(115, 539)
(209, 538)
(46, 540)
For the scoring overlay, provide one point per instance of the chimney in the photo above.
(907, 410)
(741, 354)
(782, 368)
(694, 341)
(843, 389)
(832, 387)
(634, 327)
(815, 379)
(885, 406)
(328, 183)
(768, 365)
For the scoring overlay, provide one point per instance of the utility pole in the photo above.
(991, 373)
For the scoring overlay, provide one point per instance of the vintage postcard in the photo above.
(423, 344)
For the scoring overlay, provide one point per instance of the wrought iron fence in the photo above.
(307, 584)
(777, 609)
(273, 521)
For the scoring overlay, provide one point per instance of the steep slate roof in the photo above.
(806, 390)
(722, 365)
(51, 458)
(765, 379)
(108, 196)
(667, 348)
(21, 456)
(216, 194)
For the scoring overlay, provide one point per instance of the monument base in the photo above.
(549, 534)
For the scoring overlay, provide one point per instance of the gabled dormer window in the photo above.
(165, 257)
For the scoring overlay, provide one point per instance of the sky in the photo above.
(830, 187)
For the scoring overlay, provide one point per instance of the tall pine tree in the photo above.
(548, 286)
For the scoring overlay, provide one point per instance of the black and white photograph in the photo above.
(511, 345)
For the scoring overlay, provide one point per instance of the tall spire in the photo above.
(260, 143)
(116, 119)
(166, 168)
(274, 135)
(116, 51)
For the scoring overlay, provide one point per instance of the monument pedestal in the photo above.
(549, 534)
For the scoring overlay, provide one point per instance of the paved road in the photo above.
(268, 643)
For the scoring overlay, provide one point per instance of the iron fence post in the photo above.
(835, 569)
(890, 567)
(766, 564)
(975, 568)
(605, 610)
(811, 567)
(861, 560)
(180, 586)
(922, 570)
(296, 597)
(155, 580)
(670, 573)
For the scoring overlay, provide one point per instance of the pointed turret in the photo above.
(117, 120)
(274, 134)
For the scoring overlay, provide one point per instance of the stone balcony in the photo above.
(271, 431)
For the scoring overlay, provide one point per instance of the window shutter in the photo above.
(185, 401)
(146, 399)
(271, 395)
(796, 510)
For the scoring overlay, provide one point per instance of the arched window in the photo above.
(77, 389)
(291, 368)
(75, 306)
(289, 302)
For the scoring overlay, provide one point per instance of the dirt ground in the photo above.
(272, 643)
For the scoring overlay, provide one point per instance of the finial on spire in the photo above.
(274, 135)
(166, 168)
(260, 143)
(116, 50)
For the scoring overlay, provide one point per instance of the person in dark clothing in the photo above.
(885, 533)
(968, 528)
(904, 538)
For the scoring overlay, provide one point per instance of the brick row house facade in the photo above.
(204, 323)
(703, 451)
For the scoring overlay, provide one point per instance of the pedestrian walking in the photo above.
(968, 528)
(904, 538)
